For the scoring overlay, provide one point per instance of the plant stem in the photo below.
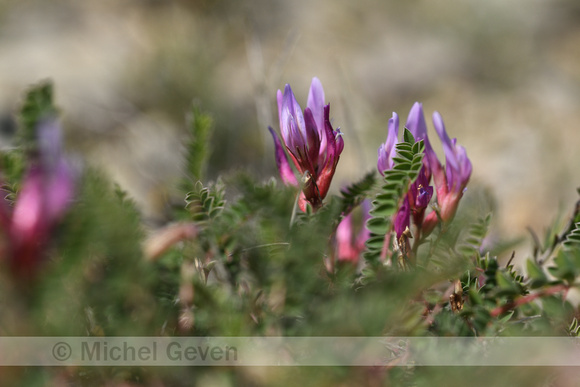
(527, 299)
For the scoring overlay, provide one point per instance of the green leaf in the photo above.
(388, 195)
(507, 317)
(402, 160)
(355, 193)
(475, 297)
(402, 167)
(537, 276)
(375, 242)
(419, 147)
(506, 283)
(378, 226)
(393, 176)
(408, 136)
(404, 156)
(475, 234)
(564, 268)
(383, 210)
(205, 203)
(404, 147)
(572, 241)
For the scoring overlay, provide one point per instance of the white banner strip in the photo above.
(289, 351)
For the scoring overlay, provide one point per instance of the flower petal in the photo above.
(286, 173)
(339, 142)
(280, 100)
(290, 114)
(316, 102)
(416, 122)
(448, 147)
(60, 190)
(465, 168)
(402, 218)
(294, 109)
(345, 250)
(333, 150)
(312, 136)
(387, 150)
(28, 217)
(50, 143)
(424, 196)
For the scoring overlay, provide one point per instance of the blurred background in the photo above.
(504, 75)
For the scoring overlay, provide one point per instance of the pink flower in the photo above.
(349, 246)
(46, 193)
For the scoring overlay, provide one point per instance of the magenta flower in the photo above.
(46, 193)
(313, 145)
(349, 246)
(402, 218)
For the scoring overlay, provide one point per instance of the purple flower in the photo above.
(387, 150)
(416, 124)
(402, 218)
(449, 182)
(458, 166)
(420, 192)
(419, 195)
(313, 145)
(47, 190)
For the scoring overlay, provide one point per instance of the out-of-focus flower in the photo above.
(47, 190)
(387, 150)
(349, 246)
(345, 248)
(313, 145)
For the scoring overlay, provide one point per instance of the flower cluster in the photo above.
(47, 190)
(449, 182)
(314, 147)
(312, 144)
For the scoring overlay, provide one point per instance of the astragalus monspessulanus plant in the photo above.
(399, 252)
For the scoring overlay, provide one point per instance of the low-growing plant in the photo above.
(390, 255)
